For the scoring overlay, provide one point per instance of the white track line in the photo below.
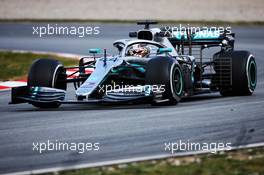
(13, 83)
(67, 55)
(122, 161)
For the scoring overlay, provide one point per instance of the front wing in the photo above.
(26, 94)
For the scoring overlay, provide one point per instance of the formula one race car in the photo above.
(151, 67)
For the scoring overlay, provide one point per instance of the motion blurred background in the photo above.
(125, 10)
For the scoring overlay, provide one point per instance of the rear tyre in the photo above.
(243, 74)
(166, 72)
(47, 73)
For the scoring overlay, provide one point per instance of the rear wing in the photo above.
(208, 38)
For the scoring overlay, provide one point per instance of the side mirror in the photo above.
(94, 51)
(164, 50)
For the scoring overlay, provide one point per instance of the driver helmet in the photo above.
(139, 50)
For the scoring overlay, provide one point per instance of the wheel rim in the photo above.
(177, 81)
(252, 74)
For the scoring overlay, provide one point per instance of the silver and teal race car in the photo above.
(154, 65)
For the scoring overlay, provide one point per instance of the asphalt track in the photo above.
(124, 132)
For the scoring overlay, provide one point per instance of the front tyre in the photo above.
(166, 72)
(47, 73)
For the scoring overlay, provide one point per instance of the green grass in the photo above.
(240, 162)
(16, 65)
